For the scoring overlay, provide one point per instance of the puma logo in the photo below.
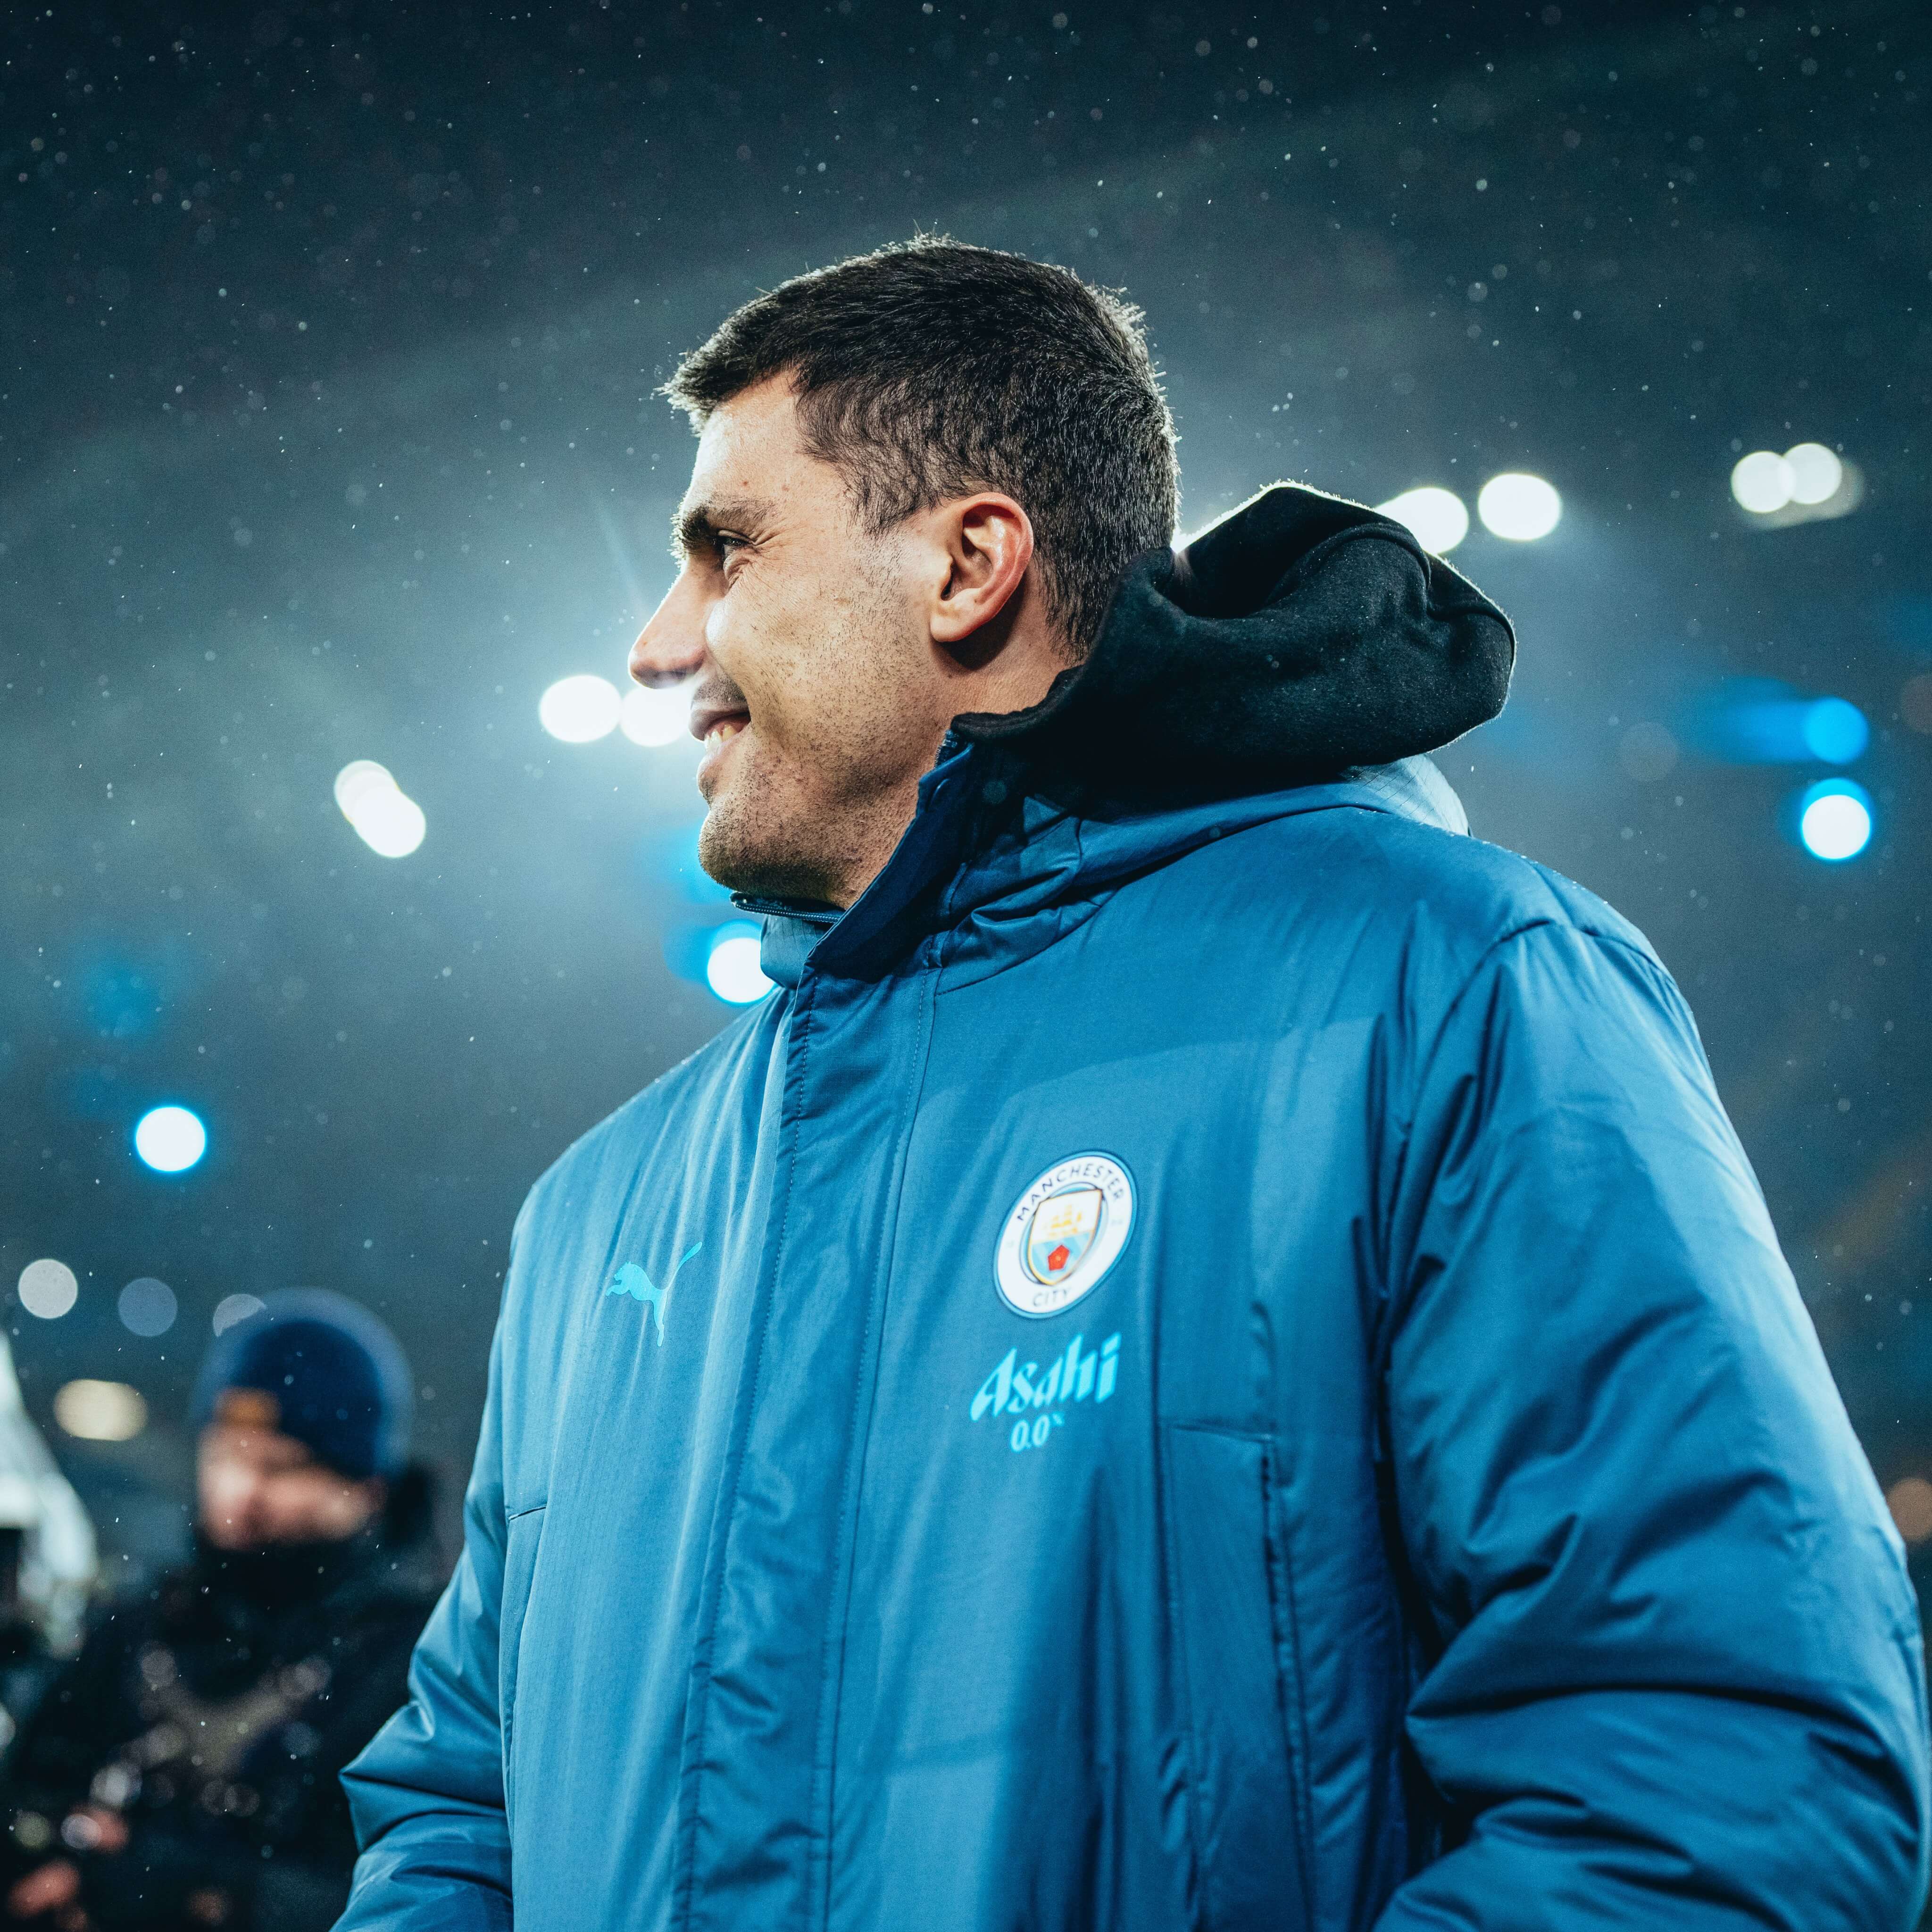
(632, 1280)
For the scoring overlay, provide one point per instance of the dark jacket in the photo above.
(1208, 1359)
(215, 1713)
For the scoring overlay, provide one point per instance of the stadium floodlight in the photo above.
(1762, 482)
(1816, 472)
(389, 822)
(170, 1139)
(1519, 506)
(1834, 821)
(579, 710)
(1438, 517)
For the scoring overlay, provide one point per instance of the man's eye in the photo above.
(727, 547)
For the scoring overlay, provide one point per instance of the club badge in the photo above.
(1064, 1234)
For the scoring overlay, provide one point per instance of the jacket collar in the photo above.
(999, 870)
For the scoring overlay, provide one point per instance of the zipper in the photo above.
(809, 912)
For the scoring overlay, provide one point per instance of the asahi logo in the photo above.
(1038, 1402)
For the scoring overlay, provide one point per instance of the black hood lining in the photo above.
(1278, 648)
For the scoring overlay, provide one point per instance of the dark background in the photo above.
(327, 335)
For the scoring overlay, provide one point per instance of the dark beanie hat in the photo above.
(318, 1366)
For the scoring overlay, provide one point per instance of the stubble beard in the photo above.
(816, 821)
(763, 840)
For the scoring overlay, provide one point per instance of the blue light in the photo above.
(1835, 731)
(1835, 820)
(170, 1139)
(1757, 720)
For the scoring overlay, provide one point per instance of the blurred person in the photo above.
(183, 1770)
(1209, 1357)
(49, 1561)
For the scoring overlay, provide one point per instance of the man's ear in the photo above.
(987, 544)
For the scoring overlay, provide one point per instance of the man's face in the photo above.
(815, 694)
(258, 1487)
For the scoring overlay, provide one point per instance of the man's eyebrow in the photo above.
(695, 530)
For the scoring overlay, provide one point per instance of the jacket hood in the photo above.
(1299, 636)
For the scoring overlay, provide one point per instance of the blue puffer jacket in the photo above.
(1219, 1367)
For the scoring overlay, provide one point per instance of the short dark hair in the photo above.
(929, 369)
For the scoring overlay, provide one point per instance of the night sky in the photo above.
(328, 337)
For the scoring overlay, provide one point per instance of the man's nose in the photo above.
(671, 647)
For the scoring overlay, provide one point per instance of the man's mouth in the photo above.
(716, 719)
(715, 727)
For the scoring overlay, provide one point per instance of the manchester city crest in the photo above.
(1064, 1234)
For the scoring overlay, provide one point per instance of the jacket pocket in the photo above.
(523, 1535)
(1234, 1635)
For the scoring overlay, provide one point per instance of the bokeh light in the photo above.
(48, 1289)
(580, 709)
(148, 1306)
(1438, 516)
(1762, 482)
(731, 968)
(1763, 721)
(659, 715)
(233, 1308)
(386, 821)
(1835, 820)
(1835, 731)
(1909, 1500)
(1519, 506)
(357, 781)
(170, 1139)
(1816, 472)
(101, 1411)
(1808, 477)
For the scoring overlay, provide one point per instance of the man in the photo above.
(1225, 1368)
(184, 1771)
